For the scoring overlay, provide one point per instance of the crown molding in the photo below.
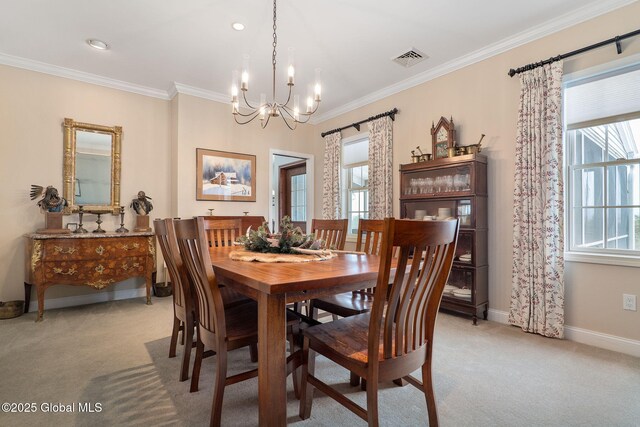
(547, 28)
(565, 21)
(67, 73)
(200, 93)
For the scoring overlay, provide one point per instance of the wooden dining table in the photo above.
(273, 285)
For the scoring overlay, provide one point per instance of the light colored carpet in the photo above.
(115, 354)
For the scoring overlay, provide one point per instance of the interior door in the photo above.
(293, 193)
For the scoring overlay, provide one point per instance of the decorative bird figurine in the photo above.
(141, 205)
(51, 202)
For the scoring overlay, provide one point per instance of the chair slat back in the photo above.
(426, 251)
(194, 250)
(369, 238)
(166, 236)
(253, 221)
(332, 231)
(222, 232)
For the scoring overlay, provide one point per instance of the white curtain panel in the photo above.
(380, 168)
(331, 206)
(537, 296)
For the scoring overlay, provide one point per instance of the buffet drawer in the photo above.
(92, 271)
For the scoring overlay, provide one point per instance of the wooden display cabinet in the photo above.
(454, 187)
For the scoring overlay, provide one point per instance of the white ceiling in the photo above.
(157, 43)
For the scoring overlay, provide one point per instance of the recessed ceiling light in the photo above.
(98, 44)
(237, 26)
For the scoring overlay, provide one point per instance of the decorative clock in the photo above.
(443, 136)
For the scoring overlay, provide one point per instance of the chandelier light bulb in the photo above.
(244, 85)
(290, 74)
(318, 92)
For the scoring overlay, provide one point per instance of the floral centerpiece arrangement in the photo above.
(290, 240)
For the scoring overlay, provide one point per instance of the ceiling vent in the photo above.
(410, 58)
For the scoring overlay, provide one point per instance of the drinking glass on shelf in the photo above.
(448, 180)
(414, 185)
(429, 184)
(438, 184)
(457, 182)
(467, 182)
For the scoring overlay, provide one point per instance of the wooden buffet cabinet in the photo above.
(454, 187)
(95, 260)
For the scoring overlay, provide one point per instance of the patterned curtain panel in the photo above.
(380, 168)
(331, 206)
(537, 297)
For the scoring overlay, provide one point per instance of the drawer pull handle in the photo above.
(100, 250)
(129, 247)
(69, 272)
(126, 267)
(61, 250)
(99, 269)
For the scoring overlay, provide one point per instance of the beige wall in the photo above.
(206, 124)
(158, 156)
(32, 108)
(160, 138)
(483, 99)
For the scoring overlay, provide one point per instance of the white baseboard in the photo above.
(88, 299)
(584, 336)
(606, 341)
(498, 316)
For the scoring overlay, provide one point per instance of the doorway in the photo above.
(291, 188)
(292, 184)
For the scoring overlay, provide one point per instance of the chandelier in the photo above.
(291, 115)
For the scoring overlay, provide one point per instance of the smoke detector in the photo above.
(410, 58)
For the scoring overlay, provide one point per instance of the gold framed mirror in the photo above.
(91, 169)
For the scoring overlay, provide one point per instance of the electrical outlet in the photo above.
(629, 302)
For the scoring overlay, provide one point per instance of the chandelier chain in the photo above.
(275, 43)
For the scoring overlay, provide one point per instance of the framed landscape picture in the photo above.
(225, 176)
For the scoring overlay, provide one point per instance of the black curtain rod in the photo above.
(616, 40)
(391, 113)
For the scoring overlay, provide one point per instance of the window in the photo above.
(602, 154)
(299, 197)
(355, 173)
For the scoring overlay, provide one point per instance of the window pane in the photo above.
(623, 228)
(354, 218)
(593, 145)
(592, 228)
(588, 187)
(575, 139)
(623, 185)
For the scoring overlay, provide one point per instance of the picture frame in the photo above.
(225, 176)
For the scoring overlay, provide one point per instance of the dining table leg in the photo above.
(272, 360)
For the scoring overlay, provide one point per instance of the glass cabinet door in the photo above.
(437, 181)
(441, 209)
(460, 284)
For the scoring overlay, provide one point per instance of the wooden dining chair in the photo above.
(185, 297)
(183, 302)
(332, 231)
(220, 328)
(396, 337)
(347, 304)
(222, 232)
(334, 234)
